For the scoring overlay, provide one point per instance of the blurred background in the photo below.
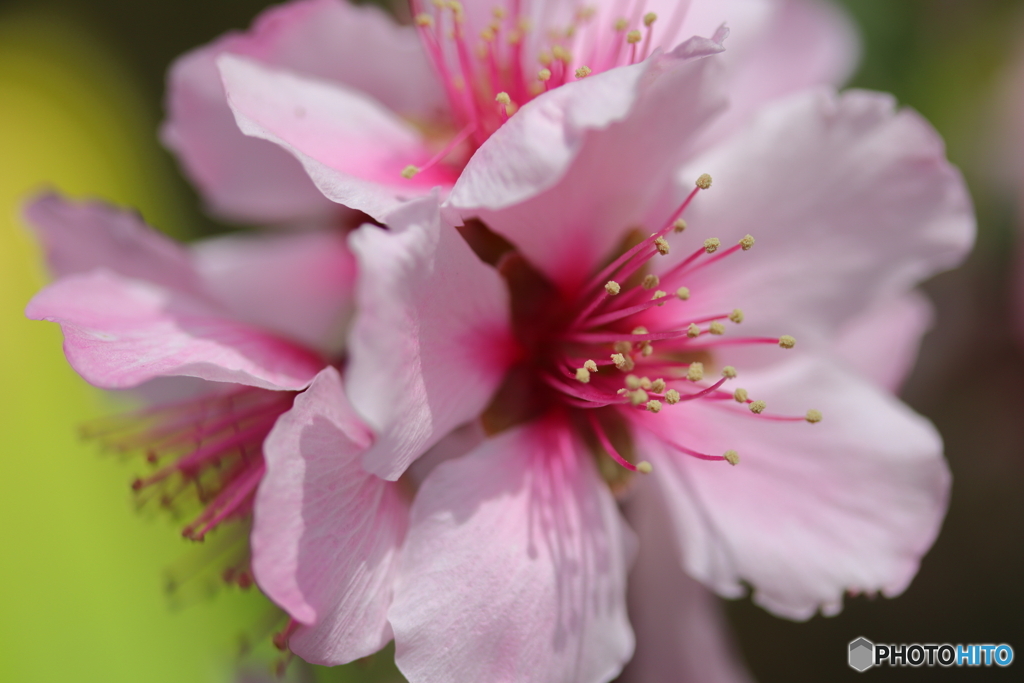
(81, 592)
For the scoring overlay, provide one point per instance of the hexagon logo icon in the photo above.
(862, 654)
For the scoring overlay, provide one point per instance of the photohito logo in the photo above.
(863, 654)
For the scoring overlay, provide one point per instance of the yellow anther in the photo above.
(632, 382)
(612, 287)
(638, 397)
(654, 405)
(623, 362)
(585, 13)
(590, 366)
(487, 35)
(671, 397)
(758, 407)
(695, 372)
(583, 72)
(740, 395)
(732, 457)
(716, 328)
(515, 36)
(561, 54)
(639, 329)
(659, 294)
(424, 20)
(499, 12)
(747, 242)
(679, 225)
(813, 416)
(683, 293)
(658, 386)
(729, 372)
(503, 98)
(646, 349)
(409, 171)
(439, 4)
(787, 342)
(622, 346)
(544, 75)
(583, 375)
(650, 281)
(693, 331)
(711, 244)
(736, 316)
(545, 58)
(661, 244)
(621, 24)
(633, 37)
(704, 181)
(645, 383)
(650, 18)
(644, 467)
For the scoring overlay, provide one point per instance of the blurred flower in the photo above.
(572, 349)
(361, 100)
(253, 318)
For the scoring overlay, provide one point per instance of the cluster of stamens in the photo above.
(488, 77)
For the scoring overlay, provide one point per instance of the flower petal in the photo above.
(251, 180)
(571, 146)
(299, 284)
(430, 342)
(851, 202)
(811, 510)
(514, 568)
(120, 332)
(882, 343)
(78, 237)
(681, 632)
(326, 534)
(352, 147)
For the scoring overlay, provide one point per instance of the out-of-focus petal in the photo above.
(326, 533)
(120, 332)
(514, 568)
(352, 147)
(812, 510)
(430, 342)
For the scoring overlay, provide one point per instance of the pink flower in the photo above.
(515, 561)
(253, 319)
(358, 99)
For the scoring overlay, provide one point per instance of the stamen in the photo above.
(583, 375)
(590, 366)
(732, 457)
(643, 466)
(746, 243)
(661, 244)
(736, 316)
(787, 342)
(813, 416)
(672, 397)
(704, 181)
(729, 372)
(654, 406)
(650, 281)
(695, 372)
(612, 287)
(757, 407)
(683, 293)
(740, 395)
(716, 328)
(583, 72)
(693, 331)
(711, 245)
(679, 225)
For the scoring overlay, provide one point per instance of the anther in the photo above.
(659, 294)
(638, 397)
(624, 363)
(622, 346)
(503, 98)
(632, 382)
(683, 293)
(621, 24)
(732, 457)
(813, 416)
(658, 386)
(736, 316)
(711, 244)
(693, 331)
(646, 349)
(704, 181)
(645, 383)
(787, 342)
(639, 329)
(671, 397)
(757, 407)
(583, 375)
(650, 281)
(729, 372)
(695, 372)
(544, 75)
(633, 37)
(424, 20)
(644, 467)
(650, 18)
(740, 395)
(583, 72)
(716, 328)
(661, 244)
(612, 287)
(561, 54)
(679, 225)
(747, 242)
(654, 405)
(409, 171)
(590, 366)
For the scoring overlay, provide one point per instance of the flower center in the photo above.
(489, 75)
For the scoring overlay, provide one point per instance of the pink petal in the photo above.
(430, 342)
(78, 237)
(352, 147)
(591, 148)
(882, 343)
(252, 180)
(811, 510)
(681, 632)
(299, 284)
(326, 533)
(120, 332)
(514, 568)
(851, 202)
